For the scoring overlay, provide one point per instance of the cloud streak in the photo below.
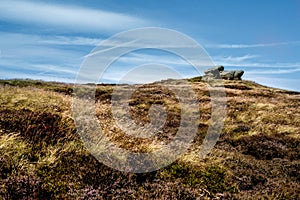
(67, 17)
(283, 83)
(235, 59)
(241, 46)
(63, 40)
(248, 60)
(19, 39)
(275, 71)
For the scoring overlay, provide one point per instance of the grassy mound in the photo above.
(42, 157)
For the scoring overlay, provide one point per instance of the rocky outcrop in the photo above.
(218, 73)
(232, 75)
(213, 73)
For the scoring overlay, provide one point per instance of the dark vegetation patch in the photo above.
(66, 89)
(37, 127)
(241, 128)
(196, 79)
(103, 94)
(259, 93)
(263, 179)
(288, 92)
(268, 147)
(24, 187)
(237, 86)
(212, 178)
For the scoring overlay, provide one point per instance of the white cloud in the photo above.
(240, 46)
(234, 59)
(139, 58)
(275, 71)
(31, 56)
(66, 17)
(31, 47)
(63, 40)
(259, 64)
(248, 61)
(20, 39)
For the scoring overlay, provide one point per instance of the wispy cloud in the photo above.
(274, 71)
(240, 46)
(251, 64)
(20, 39)
(248, 61)
(67, 17)
(234, 59)
(70, 40)
(33, 56)
(283, 83)
(142, 58)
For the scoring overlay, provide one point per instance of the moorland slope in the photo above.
(256, 157)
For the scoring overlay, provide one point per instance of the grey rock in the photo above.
(238, 74)
(232, 75)
(218, 73)
(228, 75)
(220, 68)
(213, 73)
(214, 70)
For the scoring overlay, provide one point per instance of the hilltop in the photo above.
(42, 156)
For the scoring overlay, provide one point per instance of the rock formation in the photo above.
(218, 73)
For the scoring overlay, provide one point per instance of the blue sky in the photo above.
(49, 39)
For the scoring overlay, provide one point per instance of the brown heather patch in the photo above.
(256, 157)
